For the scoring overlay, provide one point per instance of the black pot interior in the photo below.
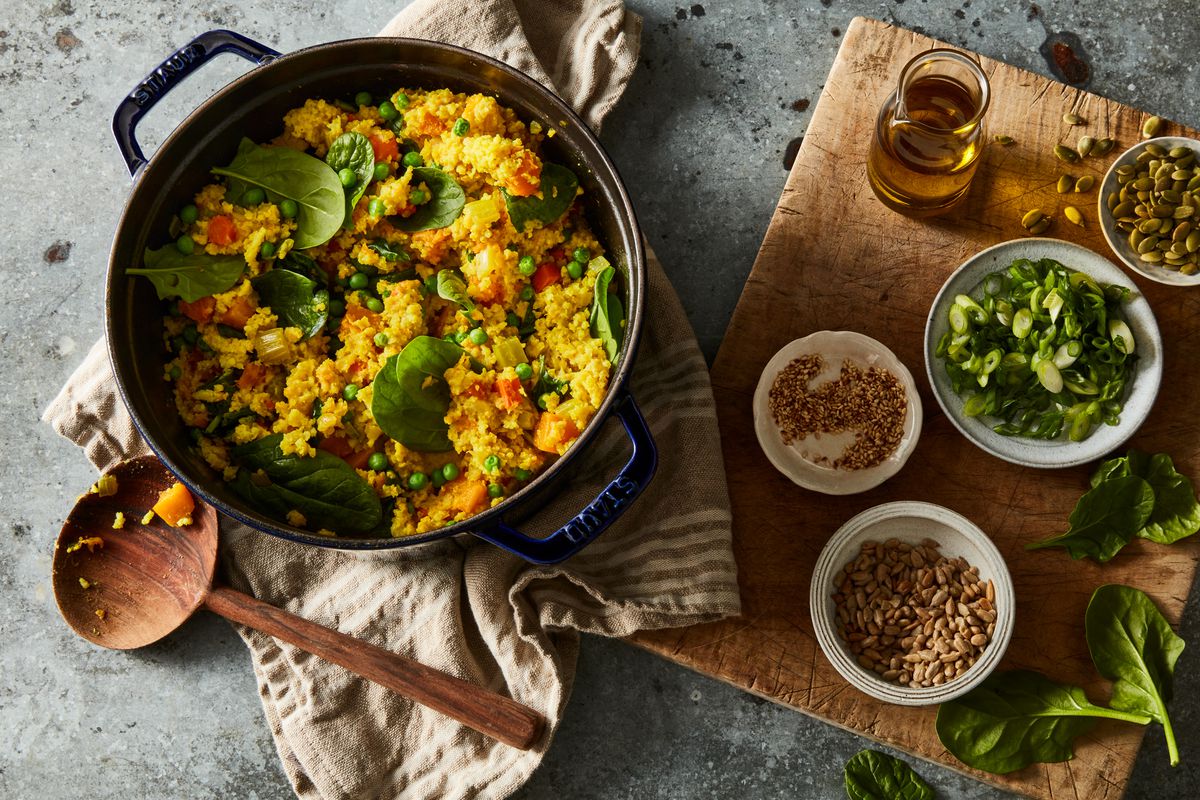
(253, 106)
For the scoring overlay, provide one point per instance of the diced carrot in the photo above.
(200, 311)
(510, 392)
(558, 255)
(238, 314)
(553, 431)
(354, 312)
(385, 149)
(466, 495)
(340, 447)
(252, 375)
(222, 231)
(546, 274)
(175, 505)
(527, 179)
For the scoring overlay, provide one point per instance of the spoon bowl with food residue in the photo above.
(125, 577)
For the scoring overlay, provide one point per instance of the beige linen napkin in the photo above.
(465, 606)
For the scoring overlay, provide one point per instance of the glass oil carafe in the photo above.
(929, 134)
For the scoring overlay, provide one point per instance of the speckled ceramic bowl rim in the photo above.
(1117, 240)
(837, 552)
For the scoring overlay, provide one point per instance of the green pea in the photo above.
(362, 99)
(491, 463)
(401, 100)
(253, 197)
(375, 207)
(495, 490)
(437, 479)
(575, 270)
(582, 255)
(541, 401)
(512, 320)
(347, 176)
(526, 266)
(387, 110)
(417, 197)
(478, 336)
(449, 337)
(521, 474)
(289, 208)
(412, 159)
(381, 170)
(449, 471)
(359, 281)
(377, 462)
(461, 126)
(175, 372)
(527, 293)
(337, 308)
(190, 334)
(418, 481)
(267, 250)
(524, 371)
(375, 305)
(381, 339)
(185, 245)
(350, 392)
(460, 337)
(188, 214)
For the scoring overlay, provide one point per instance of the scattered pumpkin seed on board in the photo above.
(1003, 139)
(1151, 127)
(1085, 183)
(1074, 215)
(1065, 184)
(1066, 154)
(1086, 143)
(1071, 118)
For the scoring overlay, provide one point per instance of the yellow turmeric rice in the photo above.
(408, 358)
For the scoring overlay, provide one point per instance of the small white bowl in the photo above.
(1061, 452)
(795, 460)
(1118, 240)
(910, 522)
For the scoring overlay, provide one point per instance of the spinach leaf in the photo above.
(453, 287)
(872, 775)
(1132, 645)
(607, 315)
(295, 300)
(410, 396)
(1176, 513)
(190, 277)
(287, 174)
(1105, 519)
(547, 383)
(1014, 719)
(305, 265)
(352, 150)
(558, 190)
(446, 201)
(389, 251)
(325, 489)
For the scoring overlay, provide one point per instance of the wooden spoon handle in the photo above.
(489, 713)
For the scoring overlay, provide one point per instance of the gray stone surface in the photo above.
(700, 139)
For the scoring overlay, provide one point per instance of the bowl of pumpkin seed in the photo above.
(1149, 209)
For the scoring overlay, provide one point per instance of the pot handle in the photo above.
(169, 74)
(589, 523)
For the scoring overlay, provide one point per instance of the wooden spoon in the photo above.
(147, 579)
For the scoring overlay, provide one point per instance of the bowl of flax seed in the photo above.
(837, 412)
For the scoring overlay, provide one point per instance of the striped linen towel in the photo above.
(464, 606)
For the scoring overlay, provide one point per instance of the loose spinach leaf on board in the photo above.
(607, 315)
(1132, 645)
(1176, 513)
(446, 201)
(872, 775)
(189, 277)
(410, 396)
(325, 489)
(1105, 519)
(289, 174)
(297, 301)
(558, 190)
(453, 287)
(1014, 719)
(389, 251)
(352, 150)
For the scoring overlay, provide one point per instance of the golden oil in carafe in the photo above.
(925, 149)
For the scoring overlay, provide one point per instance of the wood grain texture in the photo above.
(835, 258)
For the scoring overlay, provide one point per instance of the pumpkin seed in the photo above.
(1193, 242)
(1114, 201)
(1065, 184)
(1004, 140)
(1156, 150)
(1143, 184)
(1151, 127)
(1085, 183)
(1188, 269)
(1123, 209)
(1126, 169)
(1066, 154)
(1183, 212)
(1071, 118)
(1040, 227)
(1135, 238)
(1147, 244)
(1181, 231)
(1086, 143)
(1179, 152)
(1074, 215)
(1152, 257)
(1102, 146)
(1031, 218)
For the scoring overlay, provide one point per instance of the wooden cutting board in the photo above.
(835, 258)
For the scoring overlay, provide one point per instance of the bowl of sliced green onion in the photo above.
(1043, 353)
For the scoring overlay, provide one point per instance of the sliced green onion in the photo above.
(1121, 336)
(1022, 323)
